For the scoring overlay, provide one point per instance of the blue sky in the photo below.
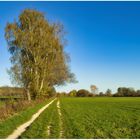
(103, 40)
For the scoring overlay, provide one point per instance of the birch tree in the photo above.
(38, 59)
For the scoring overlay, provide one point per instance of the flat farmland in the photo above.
(101, 117)
(97, 117)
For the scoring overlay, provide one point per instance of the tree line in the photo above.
(11, 91)
(127, 92)
(121, 92)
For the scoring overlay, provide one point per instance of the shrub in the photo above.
(72, 93)
(82, 93)
(91, 95)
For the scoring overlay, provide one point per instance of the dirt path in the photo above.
(17, 132)
(60, 118)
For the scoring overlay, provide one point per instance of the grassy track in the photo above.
(48, 119)
(101, 117)
(7, 126)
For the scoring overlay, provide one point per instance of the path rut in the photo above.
(60, 117)
(17, 132)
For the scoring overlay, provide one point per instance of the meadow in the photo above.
(101, 117)
(97, 117)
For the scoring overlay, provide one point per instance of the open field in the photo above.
(98, 117)
(101, 117)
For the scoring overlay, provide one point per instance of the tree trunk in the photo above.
(41, 85)
(28, 95)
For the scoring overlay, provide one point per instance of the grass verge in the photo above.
(9, 125)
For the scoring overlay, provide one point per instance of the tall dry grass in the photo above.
(12, 107)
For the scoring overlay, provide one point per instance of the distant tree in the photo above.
(72, 93)
(82, 93)
(37, 53)
(91, 95)
(126, 92)
(101, 94)
(58, 94)
(138, 93)
(94, 89)
(12, 91)
(108, 92)
(63, 94)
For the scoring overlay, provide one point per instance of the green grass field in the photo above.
(101, 117)
(98, 117)
(39, 129)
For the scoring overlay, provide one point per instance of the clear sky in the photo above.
(103, 40)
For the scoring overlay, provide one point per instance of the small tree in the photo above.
(94, 89)
(138, 93)
(91, 95)
(82, 93)
(108, 92)
(101, 94)
(72, 93)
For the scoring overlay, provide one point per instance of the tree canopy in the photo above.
(38, 59)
